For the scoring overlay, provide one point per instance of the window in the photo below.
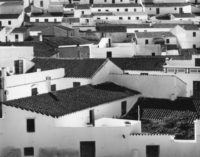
(9, 22)
(53, 87)
(144, 74)
(135, 9)
(30, 124)
(146, 41)
(36, 20)
(153, 54)
(129, 18)
(105, 1)
(34, 91)
(194, 46)
(92, 119)
(82, 12)
(16, 36)
(152, 151)
(45, 20)
(197, 61)
(120, 18)
(1, 111)
(121, 0)
(175, 8)
(55, 20)
(109, 54)
(123, 107)
(167, 41)
(98, 18)
(41, 4)
(99, 10)
(194, 34)
(28, 151)
(118, 10)
(107, 10)
(196, 88)
(137, 18)
(126, 9)
(76, 84)
(149, 8)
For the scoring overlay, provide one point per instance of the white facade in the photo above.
(156, 86)
(80, 12)
(187, 38)
(46, 19)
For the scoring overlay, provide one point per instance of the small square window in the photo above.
(126, 9)
(175, 8)
(146, 41)
(76, 84)
(105, 1)
(82, 12)
(34, 91)
(194, 34)
(120, 18)
(55, 20)
(53, 87)
(9, 22)
(121, 0)
(107, 10)
(109, 54)
(129, 18)
(28, 151)
(167, 41)
(99, 10)
(194, 46)
(36, 20)
(137, 18)
(30, 124)
(135, 9)
(16, 36)
(118, 10)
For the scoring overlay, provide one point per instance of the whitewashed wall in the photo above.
(157, 86)
(50, 19)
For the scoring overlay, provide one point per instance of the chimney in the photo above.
(40, 37)
(92, 118)
(78, 51)
(19, 68)
(48, 82)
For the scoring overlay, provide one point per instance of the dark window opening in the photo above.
(76, 84)
(87, 149)
(46, 20)
(194, 34)
(123, 107)
(9, 22)
(41, 4)
(167, 41)
(28, 151)
(53, 87)
(34, 91)
(137, 18)
(197, 61)
(1, 110)
(82, 12)
(152, 151)
(92, 118)
(109, 54)
(153, 54)
(146, 41)
(36, 20)
(117, 9)
(30, 125)
(16, 36)
(135, 10)
(129, 18)
(126, 9)
(194, 46)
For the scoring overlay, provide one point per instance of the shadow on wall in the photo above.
(52, 152)
(11, 152)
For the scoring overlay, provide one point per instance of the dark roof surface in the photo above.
(19, 30)
(9, 16)
(83, 6)
(184, 15)
(111, 28)
(153, 34)
(116, 5)
(140, 63)
(71, 100)
(158, 109)
(52, 14)
(81, 68)
(165, 4)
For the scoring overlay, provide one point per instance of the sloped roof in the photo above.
(183, 15)
(111, 28)
(81, 68)
(116, 5)
(83, 6)
(49, 14)
(71, 100)
(9, 16)
(20, 30)
(158, 109)
(165, 4)
(153, 34)
(140, 63)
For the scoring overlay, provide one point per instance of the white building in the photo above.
(47, 17)
(188, 36)
(18, 35)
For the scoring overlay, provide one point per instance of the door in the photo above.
(196, 88)
(157, 10)
(123, 108)
(180, 10)
(152, 151)
(87, 149)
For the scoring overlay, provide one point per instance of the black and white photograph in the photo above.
(99, 78)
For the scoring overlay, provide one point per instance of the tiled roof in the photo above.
(9, 16)
(64, 27)
(158, 109)
(71, 100)
(81, 68)
(140, 63)
(52, 14)
(184, 15)
(165, 4)
(20, 30)
(189, 27)
(110, 28)
(153, 34)
(116, 5)
(83, 6)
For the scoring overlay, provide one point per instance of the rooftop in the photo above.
(111, 28)
(83, 6)
(153, 34)
(116, 5)
(158, 109)
(184, 15)
(140, 63)
(71, 100)
(52, 14)
(165, 4)
(9, 16)
(19, 30)
(81, 68)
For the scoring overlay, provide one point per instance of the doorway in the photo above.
(87, 149)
